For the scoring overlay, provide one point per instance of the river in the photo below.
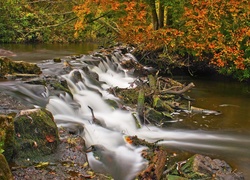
(232, 99)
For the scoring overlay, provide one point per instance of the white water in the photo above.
(118, 158)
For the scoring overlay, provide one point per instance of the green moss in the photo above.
(5, 173)
(188, 170)
(6, 136)
(8, 66)
(128, 96)
(61, 87)
(37, 134)
(155, 116)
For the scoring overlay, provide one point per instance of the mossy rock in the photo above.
(8, 66)
(36, 135)
(6, 136)
(5, 173)
(203, 167)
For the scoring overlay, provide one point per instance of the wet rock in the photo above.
(5, 173)
(57, 60)
(8, 66)
(36, 135)
(201, 167)
(6, 136)
(68, 162)
(9, 104)
(4, 52)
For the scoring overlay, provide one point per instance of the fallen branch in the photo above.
(95, 120)
(178, 92)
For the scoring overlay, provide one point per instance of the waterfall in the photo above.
(89, 82)
(115, 156)
(112, 153)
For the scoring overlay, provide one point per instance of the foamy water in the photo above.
(115, 124)
(113, 155)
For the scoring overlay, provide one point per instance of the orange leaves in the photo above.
(115, 6)
(212, 27)
(50, 138)
(130, 5)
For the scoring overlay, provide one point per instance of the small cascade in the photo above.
(111, 152)
(106, 136)
(87, 111)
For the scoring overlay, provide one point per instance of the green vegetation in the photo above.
(36, 21)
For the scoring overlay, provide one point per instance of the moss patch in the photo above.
(36, 135)
(6, 136)
(8, 66)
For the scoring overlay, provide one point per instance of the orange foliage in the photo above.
(215, 27)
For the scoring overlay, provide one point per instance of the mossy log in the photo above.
(140, 104)
(152, 82)
(156, 165)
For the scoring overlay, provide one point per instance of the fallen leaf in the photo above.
(50, 138)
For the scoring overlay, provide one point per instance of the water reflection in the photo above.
(232, 99)
(39, 52)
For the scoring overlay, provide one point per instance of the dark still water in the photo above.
(39, 52)
(232, 99)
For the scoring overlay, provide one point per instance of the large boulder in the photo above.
(36, 135)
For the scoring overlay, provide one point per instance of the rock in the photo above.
(8, 66)
(57, 60)
(4, 52)
(36, 135)
(6, 135)
(5, 173)
(202, 167)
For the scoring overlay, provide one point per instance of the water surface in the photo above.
(39, 52)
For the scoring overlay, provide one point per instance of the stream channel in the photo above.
(224, 136)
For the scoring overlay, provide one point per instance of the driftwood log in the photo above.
(157, 165)
(178, 92)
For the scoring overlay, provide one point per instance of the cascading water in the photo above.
(106, 131)
(116, 157)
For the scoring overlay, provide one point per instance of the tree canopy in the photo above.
(213, 31)
(216, 31)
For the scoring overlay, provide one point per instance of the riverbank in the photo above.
(78, 78)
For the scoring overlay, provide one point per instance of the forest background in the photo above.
(213, 33)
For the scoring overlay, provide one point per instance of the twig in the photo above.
(178, 92)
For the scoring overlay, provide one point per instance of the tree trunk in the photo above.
(169, 19)
(154, 14)
(161, 13)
